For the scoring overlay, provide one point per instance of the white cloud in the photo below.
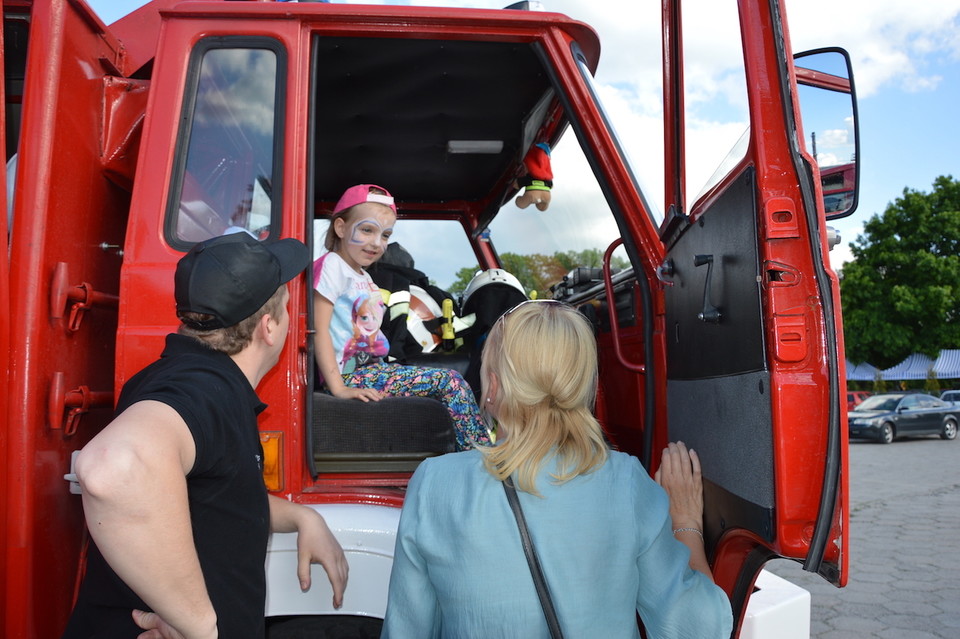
(833, 137)
(887, 39)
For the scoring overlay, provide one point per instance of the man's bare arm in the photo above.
(133, 475)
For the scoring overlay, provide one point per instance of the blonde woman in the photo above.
(609, 541)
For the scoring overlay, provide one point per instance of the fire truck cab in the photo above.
(717, 322)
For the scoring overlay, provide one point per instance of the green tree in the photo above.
(901, 293)
(464, 276)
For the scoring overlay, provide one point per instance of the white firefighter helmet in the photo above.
(488, 277)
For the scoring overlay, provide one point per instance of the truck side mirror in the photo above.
(828, 105)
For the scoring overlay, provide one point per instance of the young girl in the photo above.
(348, 309)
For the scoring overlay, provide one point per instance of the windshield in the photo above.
(879, 402)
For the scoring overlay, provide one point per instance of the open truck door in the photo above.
(752, 327)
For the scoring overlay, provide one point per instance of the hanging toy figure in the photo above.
(539, 178)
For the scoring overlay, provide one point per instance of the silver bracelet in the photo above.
(696, 530)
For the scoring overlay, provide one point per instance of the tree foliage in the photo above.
(901, 293)
(538, 272)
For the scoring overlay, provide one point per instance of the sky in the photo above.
(906, 62)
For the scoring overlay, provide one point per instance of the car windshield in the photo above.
(878, 402)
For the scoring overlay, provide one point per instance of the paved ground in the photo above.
(905, 554)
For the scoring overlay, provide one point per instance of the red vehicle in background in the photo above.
(839, 185)
(187, 119)
(855, 397)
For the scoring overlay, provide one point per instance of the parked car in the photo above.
(855, 397)
(886, 416)
(950, 395)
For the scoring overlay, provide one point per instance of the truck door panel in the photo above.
(718, 387)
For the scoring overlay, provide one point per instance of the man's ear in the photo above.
(267, 327)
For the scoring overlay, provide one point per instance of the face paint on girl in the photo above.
(367, 238)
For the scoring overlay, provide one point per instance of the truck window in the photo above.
(713, 151)
(227, 148)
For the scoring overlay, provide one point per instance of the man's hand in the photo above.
(156, 627)
(317, 545)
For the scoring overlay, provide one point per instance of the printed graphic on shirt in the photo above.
(367, 341)
(358, 309)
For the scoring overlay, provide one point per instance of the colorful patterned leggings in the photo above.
(442, 384)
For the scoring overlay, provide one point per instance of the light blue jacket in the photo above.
(604, 541)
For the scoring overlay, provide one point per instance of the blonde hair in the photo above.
(330, 241)
(233, 339)
(544, 356)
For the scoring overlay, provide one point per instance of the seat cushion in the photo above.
(391, 425)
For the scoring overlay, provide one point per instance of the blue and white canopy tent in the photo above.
(863, 372)
(915, 366)
(947, 365)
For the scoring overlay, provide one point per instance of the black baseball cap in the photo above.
(232, 276)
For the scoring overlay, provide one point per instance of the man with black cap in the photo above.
(173, 491)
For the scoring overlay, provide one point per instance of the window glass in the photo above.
(227, 181)
(910, 402)
(716, 110)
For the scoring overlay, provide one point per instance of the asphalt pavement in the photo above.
(904, 578)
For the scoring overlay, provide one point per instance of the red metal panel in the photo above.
(4, 336)
(65, 212)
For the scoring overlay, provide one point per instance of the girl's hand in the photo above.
(363, 394)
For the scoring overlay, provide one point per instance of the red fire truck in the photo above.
(186, 119)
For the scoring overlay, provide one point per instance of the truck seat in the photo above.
(394, 434)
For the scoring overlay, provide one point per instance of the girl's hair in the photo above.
(232, 339)
(544, 356)
(330, 241)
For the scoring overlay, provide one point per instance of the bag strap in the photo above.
(538, 579)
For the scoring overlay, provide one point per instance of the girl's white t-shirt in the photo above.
(358, 309)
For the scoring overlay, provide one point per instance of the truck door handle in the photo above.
(710, 313)
(612, 312)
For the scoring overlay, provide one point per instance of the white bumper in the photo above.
(367, 534)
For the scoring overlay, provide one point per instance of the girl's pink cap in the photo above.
(361, 193)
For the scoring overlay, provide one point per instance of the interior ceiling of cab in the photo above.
(387, 108)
